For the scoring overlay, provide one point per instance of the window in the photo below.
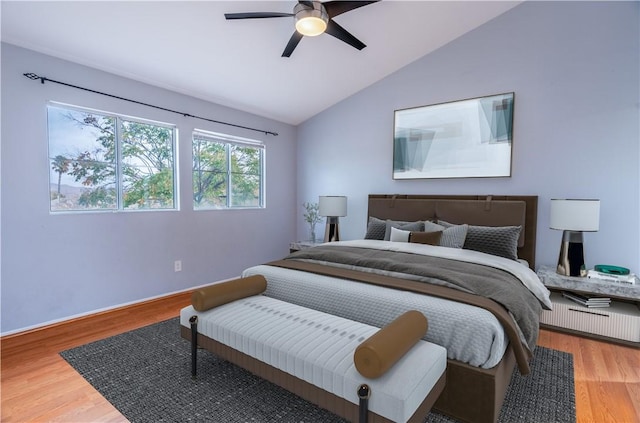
(100, 161)
(228, 172)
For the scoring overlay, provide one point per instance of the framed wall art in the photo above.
(459, 139)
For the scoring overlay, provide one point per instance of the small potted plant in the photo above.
(312, 216)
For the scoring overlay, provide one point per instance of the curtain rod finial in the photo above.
(33, 77)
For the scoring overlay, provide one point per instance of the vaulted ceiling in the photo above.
(189, 47)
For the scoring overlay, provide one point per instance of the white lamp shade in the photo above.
(332, 205)
(575, 215)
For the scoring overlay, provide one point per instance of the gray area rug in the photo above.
(146, 375)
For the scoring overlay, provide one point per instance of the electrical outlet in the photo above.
(177, 266)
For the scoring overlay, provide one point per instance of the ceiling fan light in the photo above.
(311, 22)
(311, 26)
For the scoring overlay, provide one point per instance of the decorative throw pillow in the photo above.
(499, 241)
(452, 237)
(405, 226)
(398, 235)
(431, 238)
(376, 228)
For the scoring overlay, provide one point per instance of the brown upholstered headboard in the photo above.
(481, 210)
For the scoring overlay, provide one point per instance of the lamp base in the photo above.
(331, 232)
(571, 258)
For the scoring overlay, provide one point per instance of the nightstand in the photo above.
(619, 323)
(301, 245)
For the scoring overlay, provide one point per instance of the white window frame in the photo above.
(228, 140)
(119, 164)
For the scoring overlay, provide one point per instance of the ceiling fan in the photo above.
(312, 18)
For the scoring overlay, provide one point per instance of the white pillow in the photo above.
(398, 235)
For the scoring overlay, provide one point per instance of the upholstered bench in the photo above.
(321, 357)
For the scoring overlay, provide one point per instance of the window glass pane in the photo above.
(147, 166)
(245, 176)
(209, 174)
(245, 160)
(82, 160)
(245, 190)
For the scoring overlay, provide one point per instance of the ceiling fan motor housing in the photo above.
(311, 21)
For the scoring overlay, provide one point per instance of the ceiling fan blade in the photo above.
(256, 15)
(291, 45)
(343, 35)
(335, 8)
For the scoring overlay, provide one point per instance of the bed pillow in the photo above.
(499, 241)
(452, 237)
(431, 238)
(398, 235)
(376, 228)
(417, 226)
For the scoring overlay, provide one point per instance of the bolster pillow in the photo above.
(382, 350)
(212, 296)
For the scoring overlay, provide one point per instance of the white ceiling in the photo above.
(189, 47)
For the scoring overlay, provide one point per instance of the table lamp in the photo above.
(333, 207)
(573, 216)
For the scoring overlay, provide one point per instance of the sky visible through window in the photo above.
(68, 139)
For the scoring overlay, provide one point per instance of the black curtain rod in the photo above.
(42, 79)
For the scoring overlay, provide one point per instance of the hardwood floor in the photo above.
(607, 377)
(38, 385)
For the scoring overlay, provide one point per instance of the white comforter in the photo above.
(470, 334)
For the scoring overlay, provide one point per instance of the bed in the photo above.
(487, 333)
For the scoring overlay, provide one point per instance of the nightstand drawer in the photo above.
(620, 320)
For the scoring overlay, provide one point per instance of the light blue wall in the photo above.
(574, 68)
(57, 266)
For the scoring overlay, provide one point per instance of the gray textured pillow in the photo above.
(452, 237)
(375, 228)
(417, 226)
(499, 241)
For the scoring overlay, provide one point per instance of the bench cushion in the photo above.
(318, 347)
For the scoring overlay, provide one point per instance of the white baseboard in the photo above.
(100, 310)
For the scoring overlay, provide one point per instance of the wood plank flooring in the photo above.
(37, 385)
(607, 377)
